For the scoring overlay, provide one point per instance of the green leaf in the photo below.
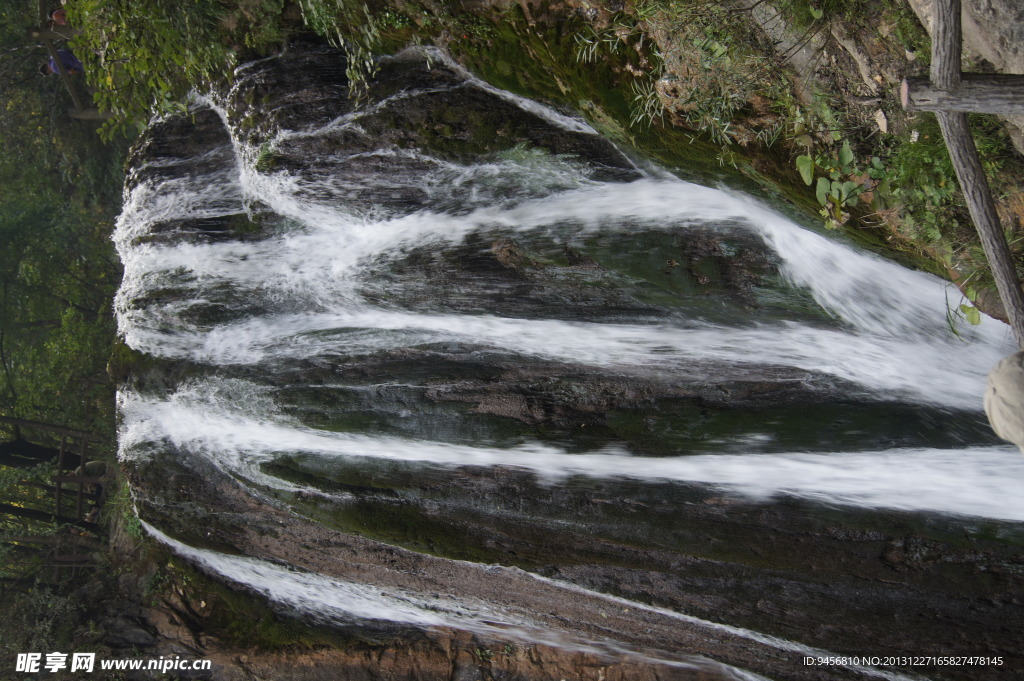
(971, 314)
(846, 154)
(805, 164)
(822, 190)
(816, 13)
(848, 190)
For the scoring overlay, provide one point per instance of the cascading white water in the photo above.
(301, 293)
(334, 600)
(235, 425)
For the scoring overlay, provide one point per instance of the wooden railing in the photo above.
(951, 94)
(75, 443)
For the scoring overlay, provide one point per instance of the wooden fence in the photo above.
(952, 94)
(76, 443)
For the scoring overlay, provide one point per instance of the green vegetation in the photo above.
(814, 15)
(144, 58)
(840, 181)
(35, 621)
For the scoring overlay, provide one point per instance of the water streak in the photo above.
(977, 481)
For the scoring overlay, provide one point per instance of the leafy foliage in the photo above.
(841, 181)
(353, 27)
(924, 182)
(143, 58)
(36, 620)
(58, 273)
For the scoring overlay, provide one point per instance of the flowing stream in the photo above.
(531, 343)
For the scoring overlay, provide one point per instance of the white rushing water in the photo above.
(893, 341)
(896, 342)
(297, 295)
(336, 600)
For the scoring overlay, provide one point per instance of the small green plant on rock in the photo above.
(123, 506)
(841, 181)
(266, 159)
(355, 28)
(647, 106)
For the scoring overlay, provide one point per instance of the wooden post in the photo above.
(946, 44)
(81, 485)
(50, 427)
(969, 172)
(946, 78)
(60, 469)
(995, 93)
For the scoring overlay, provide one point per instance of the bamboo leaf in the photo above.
(971, 314)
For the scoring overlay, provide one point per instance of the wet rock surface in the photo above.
(788, 569)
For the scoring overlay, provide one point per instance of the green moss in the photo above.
(125, 362)
(534, 526)
(546, 68)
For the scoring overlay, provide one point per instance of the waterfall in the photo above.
(364, 320)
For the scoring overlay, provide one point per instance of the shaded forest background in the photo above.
(58, 275)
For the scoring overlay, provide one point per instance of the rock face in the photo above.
(992, 30)
(1004, 399)
(316, 425)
